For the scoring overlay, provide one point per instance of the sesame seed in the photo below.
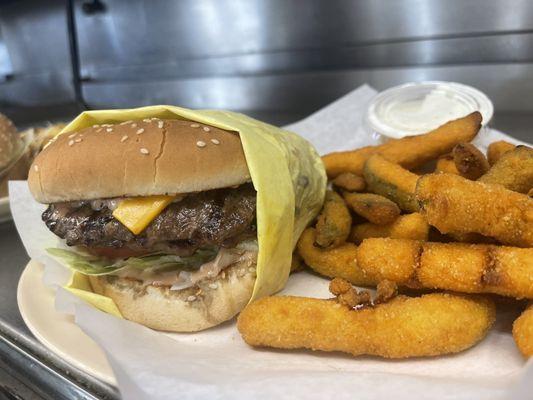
(144, 151)
(36, 168)
(96, 126)
(109, 130)
(106, 125)
(99, 130)
(134, 125)
(191, 298)
(147, 120)
(251, 269)
(215, 141)
(71, 142)
(139, 131)
(200, 143)
(77, 140)
(71, 136)
(125, 123)
(160, 124)
(206, 129)
(124, 138)
(213, 286)
(195, 125)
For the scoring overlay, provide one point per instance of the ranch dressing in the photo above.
(416, 108)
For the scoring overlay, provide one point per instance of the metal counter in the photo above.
(29, 371)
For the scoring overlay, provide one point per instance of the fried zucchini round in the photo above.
(375, 208)
(514, 170)
(469, 161)
(334, 222)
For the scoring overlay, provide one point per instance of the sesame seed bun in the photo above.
(209, 303)
(137, 158)
(11, 143)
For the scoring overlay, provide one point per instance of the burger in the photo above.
(160, 215)
(14, 159)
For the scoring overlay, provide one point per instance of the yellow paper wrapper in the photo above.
(286, 172)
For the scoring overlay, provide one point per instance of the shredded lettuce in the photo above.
(93, 265)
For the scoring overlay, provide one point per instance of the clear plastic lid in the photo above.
(419, 107)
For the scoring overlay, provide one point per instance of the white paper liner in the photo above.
(217, 364)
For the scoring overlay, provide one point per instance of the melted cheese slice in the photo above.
(137, 213)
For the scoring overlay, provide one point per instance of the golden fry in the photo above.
(523, 332)
(334, 222)
(375, 208)
(349, 182)
(409, 226)
(392, 181)
(514, 170)
(469, 161)
(498, 149)
(454, 204)
(410, 152)
(445, 164)
(338, 262)
(460, 267)
(404, 327)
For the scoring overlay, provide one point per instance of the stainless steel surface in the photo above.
(35, 35)
(141, 32)
(26, 366)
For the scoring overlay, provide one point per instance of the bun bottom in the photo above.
(209, 303)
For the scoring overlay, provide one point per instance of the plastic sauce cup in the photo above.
(419, 107)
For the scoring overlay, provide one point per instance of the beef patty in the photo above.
(220, 217)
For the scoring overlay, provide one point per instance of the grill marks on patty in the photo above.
(219, 217)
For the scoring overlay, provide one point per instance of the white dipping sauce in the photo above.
(417, 108)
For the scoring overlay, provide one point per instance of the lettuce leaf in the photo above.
(158, 262)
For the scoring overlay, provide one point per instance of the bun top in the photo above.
(137, 158)
(11, 143)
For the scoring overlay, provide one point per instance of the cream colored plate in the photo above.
(57, 331)
(5, 214)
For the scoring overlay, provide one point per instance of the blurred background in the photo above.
(277, 60)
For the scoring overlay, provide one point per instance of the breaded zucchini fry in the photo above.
(404, 327)
(410, 152)
(466, 268)
(348, 161)
(349, 182)
(446, 165)
(392, 181)
(454, 204)
(338, 262)
(375, 208)
(334, 222)
(523, 332)
(514, 170)
(498, 149)
(409, 226)
(469, 161)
